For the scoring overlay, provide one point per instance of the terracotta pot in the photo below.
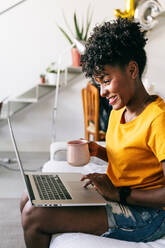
(42, 80)
(75, 57)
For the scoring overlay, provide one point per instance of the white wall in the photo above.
(156, 56)
(30, 40)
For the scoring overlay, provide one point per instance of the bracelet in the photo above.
(124, 192)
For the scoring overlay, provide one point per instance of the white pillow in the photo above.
(82, 240)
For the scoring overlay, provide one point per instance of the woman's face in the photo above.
(117, 84)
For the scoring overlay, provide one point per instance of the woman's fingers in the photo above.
(88, 176)
(89, 182)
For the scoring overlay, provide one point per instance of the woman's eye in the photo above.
(106, 82)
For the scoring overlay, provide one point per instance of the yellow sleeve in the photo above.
(156, 137)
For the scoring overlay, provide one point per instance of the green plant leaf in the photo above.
(66, 35)
(82, 28)
(82, 31)
(87, 30)
(88, 23)
(78, 33)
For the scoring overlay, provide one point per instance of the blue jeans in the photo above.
(134, 223)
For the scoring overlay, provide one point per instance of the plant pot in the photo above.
(51, 77)
(75, 57)
(42, 80)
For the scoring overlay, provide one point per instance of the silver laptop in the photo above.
(56, 190)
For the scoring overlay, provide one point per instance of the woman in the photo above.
(134, 184)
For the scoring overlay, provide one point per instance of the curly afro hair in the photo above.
(114, 43)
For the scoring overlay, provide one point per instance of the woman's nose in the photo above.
(103, 91)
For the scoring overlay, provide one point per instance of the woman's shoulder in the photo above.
(158, 106)
(156, 111)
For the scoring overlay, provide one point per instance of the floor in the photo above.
(33, 132)
(11, 183)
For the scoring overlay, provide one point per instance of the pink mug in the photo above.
(78, 152)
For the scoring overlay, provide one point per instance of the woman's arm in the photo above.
(148, 198)
(97, 151)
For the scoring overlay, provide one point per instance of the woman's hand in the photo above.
(102, 184)
(97, 151)
(93, 147)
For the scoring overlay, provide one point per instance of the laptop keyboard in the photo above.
(51, 187)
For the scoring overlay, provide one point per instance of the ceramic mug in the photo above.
(78, 152)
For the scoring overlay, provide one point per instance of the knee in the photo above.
(23, 201)
(30, 217)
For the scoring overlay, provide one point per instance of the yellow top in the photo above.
(135, 149)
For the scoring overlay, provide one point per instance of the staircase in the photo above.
(34, 94)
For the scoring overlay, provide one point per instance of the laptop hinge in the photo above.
(32, 197)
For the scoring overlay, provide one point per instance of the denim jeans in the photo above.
(134, 223)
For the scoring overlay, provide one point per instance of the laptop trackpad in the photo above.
(82, 194)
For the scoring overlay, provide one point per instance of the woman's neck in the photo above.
(138, 103)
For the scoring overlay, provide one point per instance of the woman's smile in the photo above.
(113, 100)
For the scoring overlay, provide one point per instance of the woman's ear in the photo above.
(133, 69)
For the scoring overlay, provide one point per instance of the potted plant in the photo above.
(42, 78)
(51, 74)
(80, 33)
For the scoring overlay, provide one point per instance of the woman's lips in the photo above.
(113, 100)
